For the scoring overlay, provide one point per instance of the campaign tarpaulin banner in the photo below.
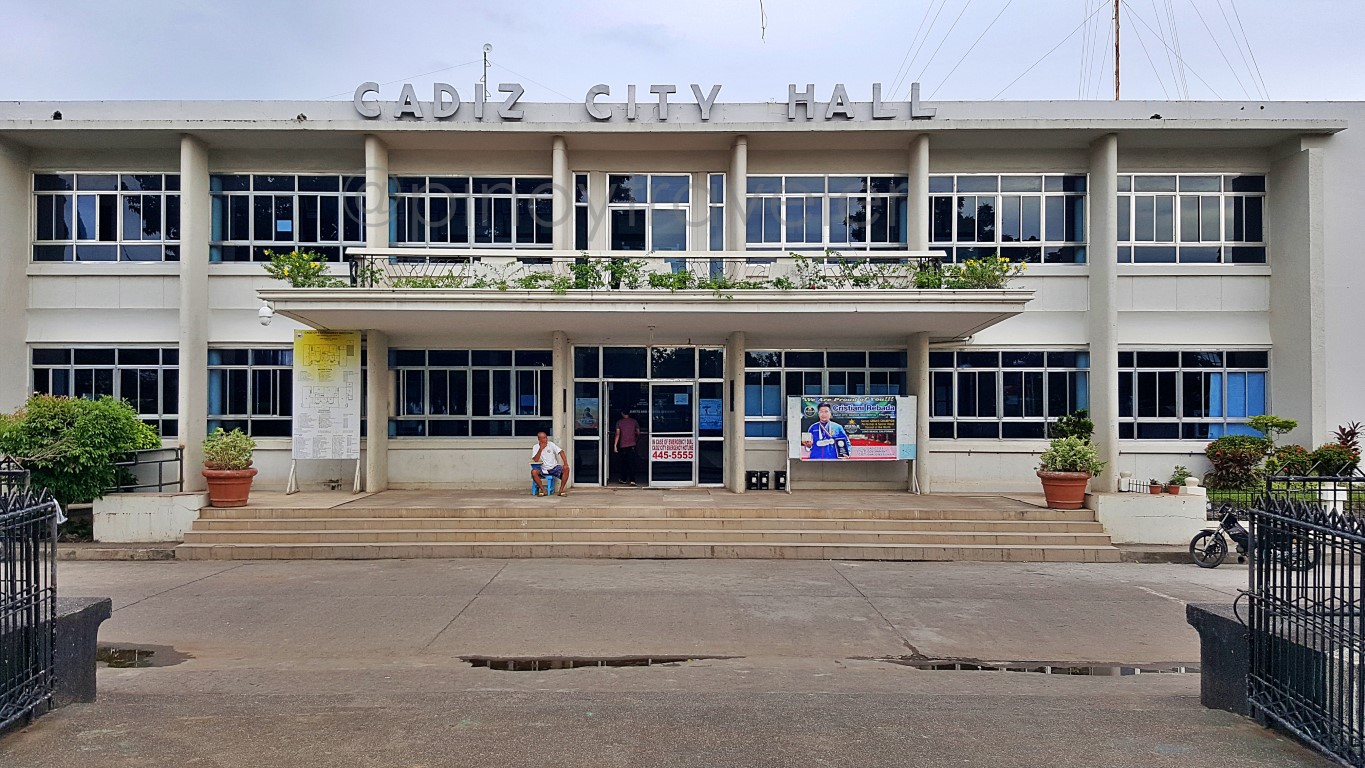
(843, 428)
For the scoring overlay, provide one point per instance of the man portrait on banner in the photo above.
(825, 438)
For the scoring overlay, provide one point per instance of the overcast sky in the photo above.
(958, 49)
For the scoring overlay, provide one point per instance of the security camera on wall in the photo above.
(266, 314)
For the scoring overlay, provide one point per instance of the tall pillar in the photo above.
(377, 383)
(376, 193)
(14, 258)
(733, 422)
(917, 355)
(736, 186)
(194, 301)
(917, 239)
(1104, 318)
(561, 203)
(561, 379)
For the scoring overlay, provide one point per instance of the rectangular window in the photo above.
(476, 211)
(1007, 395)
(1191, 394)
(580, 211)
(146, 377)
(252, 390)
(462, 393)
(715, 211)
(106, 217)
(814, 213)
(1031, 218)
(1191, 219)
(256, 213)
(649, 212)
(771, 376)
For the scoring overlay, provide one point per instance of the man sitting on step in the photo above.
(549, 460)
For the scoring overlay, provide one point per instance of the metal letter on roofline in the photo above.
(705, 104)
(804, 97)
(663, 91)
(505, 111)
(590, 102)
(839, 104)
(365, 108)
(408, 103)
(439, 106)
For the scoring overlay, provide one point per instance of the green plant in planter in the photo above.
(228, 450)
(301, 269)
(1179, 475)
(1076, 424)
(626, 273)
(1071, 454)
(1334, 459)
(1236, 461)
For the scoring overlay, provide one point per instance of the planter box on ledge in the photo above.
(1144, 518)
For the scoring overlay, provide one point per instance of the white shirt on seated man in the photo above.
(553, 463)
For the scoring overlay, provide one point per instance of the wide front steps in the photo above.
(1023, 534)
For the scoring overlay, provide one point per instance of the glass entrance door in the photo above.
(672, 434)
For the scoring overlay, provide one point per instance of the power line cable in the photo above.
(1098, 49)
(1086, 49)
(1254, 63)
(969, 48)
(1155, 71)
(1184, 63)
(410, 78)
(895, 80)
(1170, 61)
(1051, 51)
(1217, 45)
(1250, 75)
(919, 47)
(529, 80)
(1104, 60)
(944, 39)
(1175, 43)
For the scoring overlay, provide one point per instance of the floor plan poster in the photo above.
(326, 395)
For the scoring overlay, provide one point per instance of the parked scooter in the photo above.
(1209, 547)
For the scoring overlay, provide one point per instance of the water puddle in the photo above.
(1044, 667)
(139, 656)
(544, 663)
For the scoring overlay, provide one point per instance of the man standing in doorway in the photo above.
(549, 460)
(623, 445)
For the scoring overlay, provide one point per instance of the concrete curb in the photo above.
(96, 551)
(1153, 554)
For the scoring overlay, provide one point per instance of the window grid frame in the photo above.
(956, 247)
(169, 246)
(753, 205)
(166, 394)
(649, 207)
(1127, 196)
(1077, 380)
(397, 407)
(1130, 424)
(252, 419)
(398, 214)
(350, 189)
(782, 370)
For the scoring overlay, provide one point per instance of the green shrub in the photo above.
(626, 273)
(69, 445)
(228, 450)
(302, 269)
(1289, 460)
(994, 272)
(1077, 424)
(1333, 459)
(1271, 426)
(1236, 461)
(1071, 454)
(1179, 475)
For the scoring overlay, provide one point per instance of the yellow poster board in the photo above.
(327, 395)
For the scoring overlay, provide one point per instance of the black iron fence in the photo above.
(157, 470)
(1307, 575)
(28, 601)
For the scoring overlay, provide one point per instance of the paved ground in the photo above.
(357, 663)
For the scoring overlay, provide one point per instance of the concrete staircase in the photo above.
(572, 527)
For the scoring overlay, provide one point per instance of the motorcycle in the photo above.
(1209, 547)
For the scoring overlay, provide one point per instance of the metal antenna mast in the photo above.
(489, 47)
(1116, 50)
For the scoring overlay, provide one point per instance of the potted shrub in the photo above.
(227, 467)
(1154, 486)
(1065, 468)
(1178, 477)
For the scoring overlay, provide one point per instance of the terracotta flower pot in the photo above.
(1154, 489)
(229, 487)
(1064, 490)
(1173, 489)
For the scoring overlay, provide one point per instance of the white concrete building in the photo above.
(1189, 266)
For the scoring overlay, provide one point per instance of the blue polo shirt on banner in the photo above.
(828, 441)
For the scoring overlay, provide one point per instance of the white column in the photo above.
(734, 412)
(1104, 320)
(561, 204)
(561, 379)
(917, 355)
(376, 193)
(736, 184)
(194, 303)
(14, 259)
(917, 239)
(377, 384)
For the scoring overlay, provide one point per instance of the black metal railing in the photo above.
(1307, 576)
(157, 470)
(13, 476)
(28, 603)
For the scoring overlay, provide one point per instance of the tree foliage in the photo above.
(69, 445)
